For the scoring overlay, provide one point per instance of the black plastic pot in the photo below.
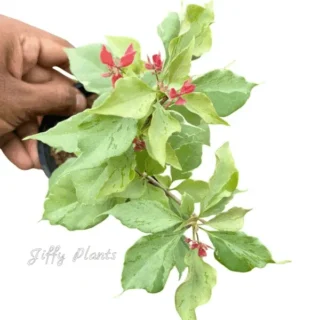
(48, 163)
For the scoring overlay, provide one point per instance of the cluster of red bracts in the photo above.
(138, 145)
(156, 63)
(186, 88)
(202, 248)
(115, 65)
(115, 72)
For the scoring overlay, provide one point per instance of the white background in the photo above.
(275, 141)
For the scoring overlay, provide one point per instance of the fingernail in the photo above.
(81, 102)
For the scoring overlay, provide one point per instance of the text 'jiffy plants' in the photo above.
(134, 152)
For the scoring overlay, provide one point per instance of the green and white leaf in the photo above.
(62, 206)
(163, 125)
(187, 206)
(195, 188)
(224, 180)
(180, 253)
(227, 91)
(197, 288)
(169, 29)
(171, 157)
(239, 252)
(145, 215)
(149, 262)
(232, 220)
(196, 24)
(201, 105)
(86, 66)
(179, 66)
(131, 98)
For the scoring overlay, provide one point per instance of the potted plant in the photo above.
(134, 151)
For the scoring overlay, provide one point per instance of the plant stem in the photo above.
(157, 184)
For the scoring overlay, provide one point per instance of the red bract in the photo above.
(115, 68)
(115, 78)
(202, 248)
(156, 63)
(186, 88)
(139, 145)
(106, 57)
(128, 57)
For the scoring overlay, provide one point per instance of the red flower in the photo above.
(187, 87)
(106, 57)
(115, 67)
(202, 248)
(139, 145)
(115, 78)
(156, 63)
(128, 57)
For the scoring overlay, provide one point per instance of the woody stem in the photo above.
(157, 184)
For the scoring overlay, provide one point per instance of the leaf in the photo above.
(187, 206)
(100, 100)
(118, 46)
(239, 252)
(145, 215)
(165, 181)
(169, 29)
(65, 135)
(197, 288)
(178, 68)
(196, 24)
(189, 156)
(232, 220)
(200, 104)
(224, 180)
(135, 189)
(86, 66)
(197, 189)
(131, 98)
(121, 171)
(180, 175)
(149, 79)
(163, 125)
(180, 253)
(227, 91)
(149, 262)
(171, 157)
(63, 208)
(190, 133)
(96, 139)
(155, 194)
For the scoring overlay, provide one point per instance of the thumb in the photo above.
(53, 97)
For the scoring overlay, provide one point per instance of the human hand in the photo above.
(31, 88)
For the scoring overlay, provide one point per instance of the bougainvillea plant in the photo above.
(136, 149)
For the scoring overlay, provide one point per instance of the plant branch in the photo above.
(157, 184)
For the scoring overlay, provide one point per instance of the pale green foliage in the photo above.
(149, 261)
(136, 141)
(239, 252)
(197, 288)
(227, 91)
(131, 98)
(87, 68)
(232, 220)
(163, 125)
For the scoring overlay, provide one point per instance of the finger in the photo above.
(38, 75)
(25, 130)
(42, 75)
(23, 27)
(42, 51)
(14, 150)
(54, 97)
